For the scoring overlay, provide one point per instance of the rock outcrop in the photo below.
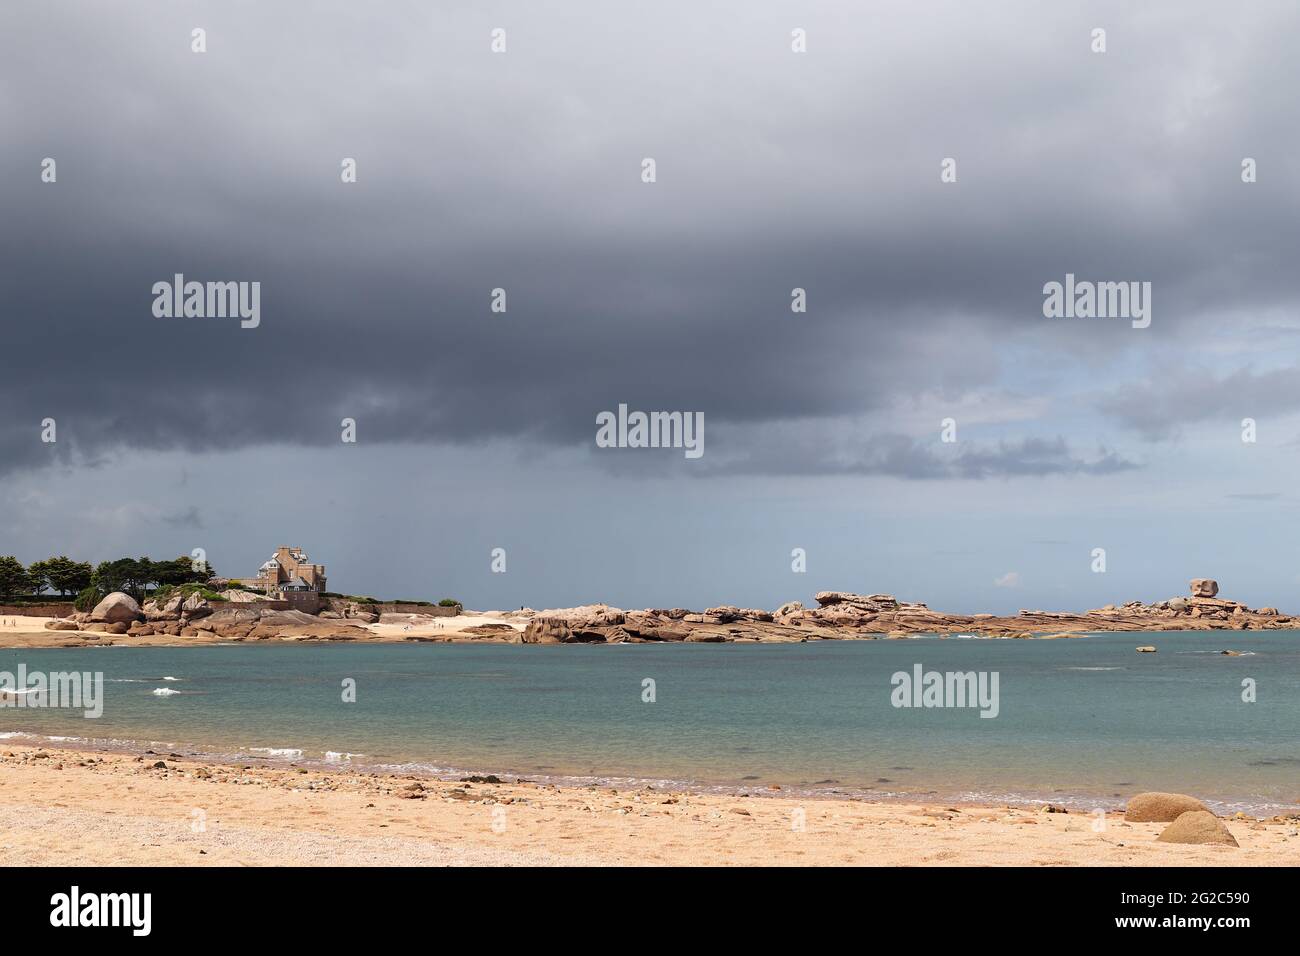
(845, 615)
(194, 616)
(839, 615)
(591, 623)
(546, 631)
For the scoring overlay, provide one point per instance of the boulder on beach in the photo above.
(117, 607)
(1157, 807)
(1197, 826)
(1204, 587)
(61, 625)
(544, 630)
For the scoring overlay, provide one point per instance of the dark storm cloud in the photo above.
(901, 456)
(521, 171)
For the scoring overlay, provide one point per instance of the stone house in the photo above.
(290, 576)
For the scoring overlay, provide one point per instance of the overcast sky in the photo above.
(522, 170)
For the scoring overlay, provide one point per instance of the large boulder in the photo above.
(1204, 587)
(117, 607)
(545, 630)
(1197, 826)
(61, 625)
(196, 605)
(586, 616)
(168, 610)
(275, 617)
(237, 615)
(1156, 807)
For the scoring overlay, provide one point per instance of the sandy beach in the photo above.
(65, 807)
(16, 631)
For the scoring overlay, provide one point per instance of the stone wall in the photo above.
(307, 601)
(401, 607)
(52, 609)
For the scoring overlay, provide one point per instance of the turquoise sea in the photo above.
(1085, 721)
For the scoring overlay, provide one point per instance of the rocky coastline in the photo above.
(839, 615)
(844, 615)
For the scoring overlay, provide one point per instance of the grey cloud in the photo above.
(521, 172)
(901, 456)
(189, 518)
(1177, 398)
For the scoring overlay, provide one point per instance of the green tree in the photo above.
(131, 575)
(67, 576)
(13, 578)
(181, 571)
(38, 574)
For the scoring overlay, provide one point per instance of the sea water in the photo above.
(1084, 721)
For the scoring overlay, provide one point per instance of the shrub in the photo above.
(449, 602)
(166, 592)
(87, 599)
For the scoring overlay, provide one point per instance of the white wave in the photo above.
(164, 692)
(333, 756)
(286, 752)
